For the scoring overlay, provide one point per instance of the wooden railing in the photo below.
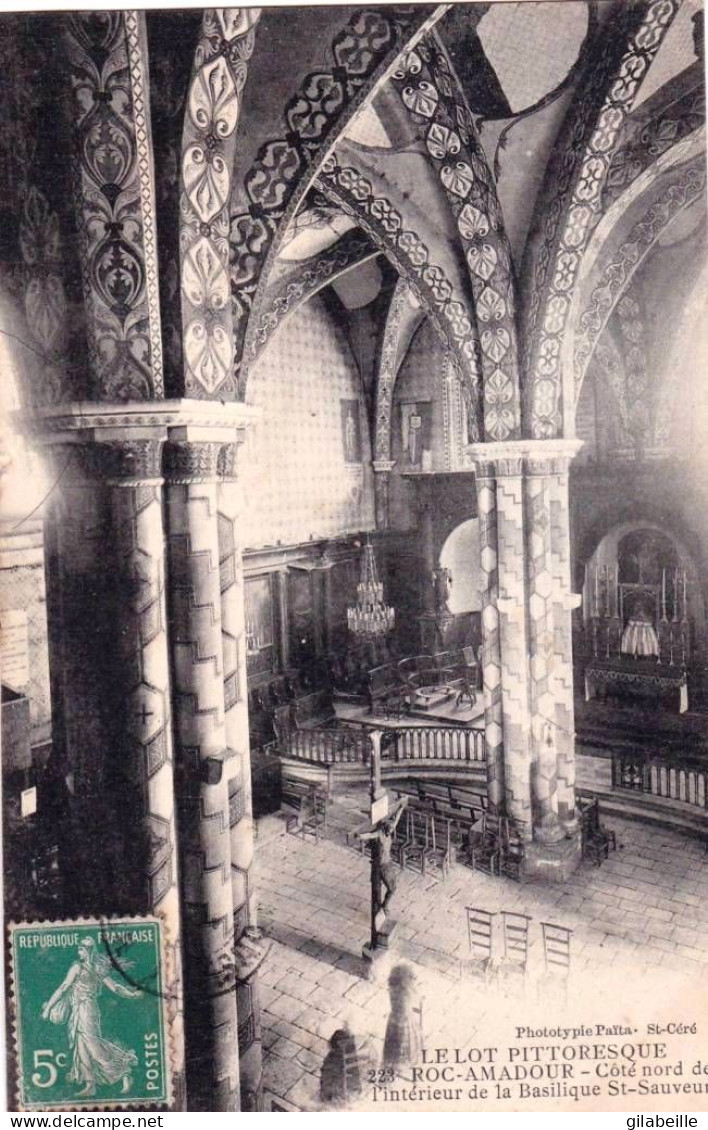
(326, 746)
(332, 746)
(684, 780)
(433, 743)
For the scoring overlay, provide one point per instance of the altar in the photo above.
(644, 681)
(638, 631)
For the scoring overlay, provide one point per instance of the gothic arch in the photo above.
(355, 194)
(619, 514)
(288, 295)
(618, 248)
(291, 147)
(570, 204)
(428, 88)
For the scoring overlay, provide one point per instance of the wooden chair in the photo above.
(414, 849)
(480, 926)
(439, 856)
(596, 840)
(511, 851)
(515, 933)
(556, 956)
(485, 846)
(310, 808)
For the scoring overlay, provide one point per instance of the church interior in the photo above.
(354, 538)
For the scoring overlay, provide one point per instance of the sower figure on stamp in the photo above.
(75, 1003)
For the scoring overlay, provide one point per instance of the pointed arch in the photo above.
(363, 198)
(283, 298)
(285, 150)
(430, 91)
(619, 246)
(570, 204)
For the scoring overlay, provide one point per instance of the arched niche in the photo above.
(460, 554)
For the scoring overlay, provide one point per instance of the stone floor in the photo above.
(640, 925)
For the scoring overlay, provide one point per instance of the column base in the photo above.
(553, 863)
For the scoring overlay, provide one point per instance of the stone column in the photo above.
(564, 603)
(556, 849)
(522, 496)
(191, 478)
(513, 640)
(539, 568)
(111, 771)
(382, 482)
(491, 649)
(237, 769)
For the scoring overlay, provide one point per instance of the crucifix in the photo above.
(384, 820)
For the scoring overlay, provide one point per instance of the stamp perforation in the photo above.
(168, 1023)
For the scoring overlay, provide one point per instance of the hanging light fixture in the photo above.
(370, 618)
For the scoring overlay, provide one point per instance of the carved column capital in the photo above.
(523, 457)
(191, 461)
(120, 462)
(227, 463)
(383, 466)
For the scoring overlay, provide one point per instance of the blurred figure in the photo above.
(403, 1043)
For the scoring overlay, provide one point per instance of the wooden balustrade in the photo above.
(326, 746)
(332, 746)
(433, 743)
(684, 781)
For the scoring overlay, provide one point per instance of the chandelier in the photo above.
(370, 617)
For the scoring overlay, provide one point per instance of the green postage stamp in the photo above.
(89, 1012)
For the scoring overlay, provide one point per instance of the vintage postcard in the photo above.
(354, 557)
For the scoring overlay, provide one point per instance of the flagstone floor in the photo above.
(640, 934)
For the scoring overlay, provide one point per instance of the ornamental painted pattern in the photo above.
(576, 206)
(388, 369)
(44, 295)
(646, 136)
(429, 90)
(617, 275)
(114, 191)
(299, 286)
(279, 176)
(376, 215)
(639, 394)
(208, 148)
